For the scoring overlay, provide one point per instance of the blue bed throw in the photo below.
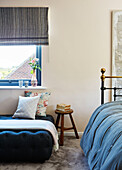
(102, 138)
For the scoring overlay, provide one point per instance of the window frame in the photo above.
(15, 82)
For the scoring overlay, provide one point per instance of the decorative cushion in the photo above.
(43, 101)
(26, 107)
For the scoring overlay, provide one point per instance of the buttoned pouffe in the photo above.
(26, 145)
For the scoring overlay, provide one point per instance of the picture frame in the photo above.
(117, 50)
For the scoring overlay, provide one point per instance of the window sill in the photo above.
(22, 88)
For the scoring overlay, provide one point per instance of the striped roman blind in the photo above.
(23, 26)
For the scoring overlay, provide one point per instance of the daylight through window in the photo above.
(14, 62)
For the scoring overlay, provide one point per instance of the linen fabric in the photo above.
(26, 107)
(23, 25)
(102, 138)
(43, 101)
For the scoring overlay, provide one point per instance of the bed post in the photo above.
(102, 85)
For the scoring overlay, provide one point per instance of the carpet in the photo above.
(68, 157)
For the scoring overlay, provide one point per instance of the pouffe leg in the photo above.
(62, 131)
(74, 127)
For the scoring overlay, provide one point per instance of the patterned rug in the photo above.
(69, 157)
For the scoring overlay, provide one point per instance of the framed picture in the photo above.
(117, 50)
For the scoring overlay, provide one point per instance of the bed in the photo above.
(102, 138)
(27, 144)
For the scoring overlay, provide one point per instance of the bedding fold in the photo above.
(102, 138)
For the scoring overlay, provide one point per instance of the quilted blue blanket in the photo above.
(102, 138)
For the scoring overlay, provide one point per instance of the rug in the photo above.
(68, 157)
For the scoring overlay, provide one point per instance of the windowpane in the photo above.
(14, 62)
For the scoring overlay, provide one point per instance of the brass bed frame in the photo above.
(103, 88)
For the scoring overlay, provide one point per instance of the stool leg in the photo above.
(57, 121)
(73, 124)
(62, 130)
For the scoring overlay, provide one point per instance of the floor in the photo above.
(68, 157)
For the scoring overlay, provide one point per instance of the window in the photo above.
(26, 27)
(14, 64)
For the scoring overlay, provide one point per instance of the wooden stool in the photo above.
(61, 113)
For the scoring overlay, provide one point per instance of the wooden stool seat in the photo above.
(61, 114)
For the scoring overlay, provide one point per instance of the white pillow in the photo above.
(26, 107)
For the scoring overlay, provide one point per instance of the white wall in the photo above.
(80, 44)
